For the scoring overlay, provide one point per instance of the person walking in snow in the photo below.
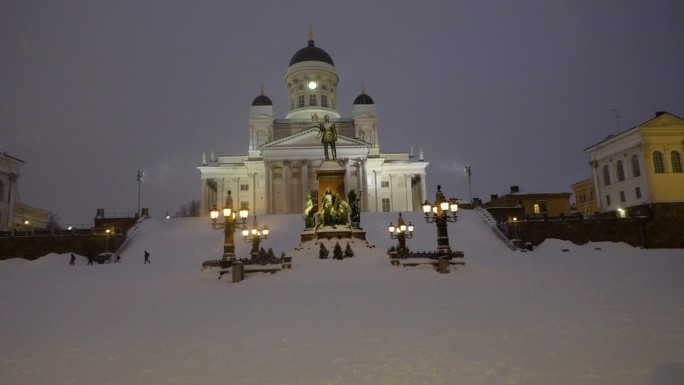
(90, 258)
(72, 260)
(147, 257)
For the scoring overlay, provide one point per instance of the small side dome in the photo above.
(363, 98)
(262, 100)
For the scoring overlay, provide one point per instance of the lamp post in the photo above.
(139, 176)
(401, 232)
(441, 212)
(515, 227)
(470, 189)
(255, 235)
(228, 225)
(108, 232)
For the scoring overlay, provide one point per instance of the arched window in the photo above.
(620, 171)
(636, 170)
(658, 164)
(676, 159)
(606, 175)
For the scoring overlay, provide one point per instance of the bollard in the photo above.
(443, 266)
(238, 271)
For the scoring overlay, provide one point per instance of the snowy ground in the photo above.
(614, 316)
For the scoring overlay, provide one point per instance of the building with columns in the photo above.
(279, 169)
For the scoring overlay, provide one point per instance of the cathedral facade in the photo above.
(284, 154)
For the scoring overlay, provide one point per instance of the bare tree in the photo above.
(53, 221)
(191, 209)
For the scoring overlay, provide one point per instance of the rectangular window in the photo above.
(622, 196)
(676, 159)
(353, 173)
(312, 99)
(244, 187)
(324, 101)
(385, 204)
(384, 184)
(637, 192)
(301, 86)
(539, 208)
(300, 101)
(314, 195)
(608, 200)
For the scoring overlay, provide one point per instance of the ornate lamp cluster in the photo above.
(441, 212)
(255, 235)
(229, 217)
(401, 232)
(442, 209)
(229, 224)
(401, 229)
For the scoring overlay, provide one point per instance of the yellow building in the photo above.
(585, 197)
(640, 167)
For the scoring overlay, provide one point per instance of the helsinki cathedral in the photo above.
(285, 155)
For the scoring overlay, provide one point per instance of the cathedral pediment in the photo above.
(309, 139)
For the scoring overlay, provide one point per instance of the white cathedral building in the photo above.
(279, 169)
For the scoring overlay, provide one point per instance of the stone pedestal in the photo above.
(331, 175)
(238, 272)
(443, 266)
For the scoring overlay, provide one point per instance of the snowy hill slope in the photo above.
(578, 317)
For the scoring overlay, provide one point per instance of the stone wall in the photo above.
(35, 246)
(661, 226)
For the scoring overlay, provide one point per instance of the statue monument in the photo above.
(328, 136)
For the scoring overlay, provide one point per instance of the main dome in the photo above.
(311, 53)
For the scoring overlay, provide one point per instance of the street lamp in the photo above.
(441, 212)
(470, 190)
(139, 176)
(228, 225)
(255, 235)
(515, 227)
(401, 232)
(108, 232)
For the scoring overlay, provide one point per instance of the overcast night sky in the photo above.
(92, 91)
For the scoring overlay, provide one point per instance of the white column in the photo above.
(287, 178)
(268, 188)
(254, 200)
(423, 190)
(304, 172)
(236, 196)
(346, 179)
(391, 183)
(363, 185)
(378, 202)
(408, 192)
(205, 198)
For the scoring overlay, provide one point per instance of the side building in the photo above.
(284, 154)
(15, 215)
(639, 168)
(9, 176)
